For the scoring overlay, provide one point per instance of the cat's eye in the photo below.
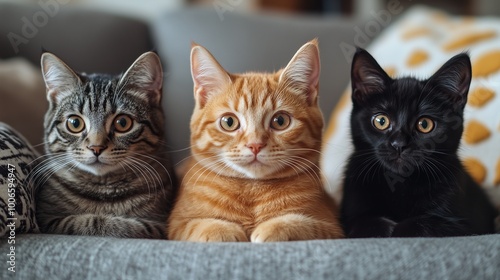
(123, 123)
(425, 125)
(381, 122)
(75, 124)
(280, 121)
(229, 122)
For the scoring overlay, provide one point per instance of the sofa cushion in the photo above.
(44, 256)
(417, 45)
(17, 204)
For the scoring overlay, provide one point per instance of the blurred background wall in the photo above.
(152, 8)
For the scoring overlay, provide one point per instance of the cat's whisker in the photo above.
(198, 163)
(218, 174)
(310, 163)
(136, 168)
(190, 156)
(158, 162)
(39, 144)
(290, 164)
(52, 165)
(42, 166)
(212, 166)
(152, 173)
(310, 173)
(303, 165)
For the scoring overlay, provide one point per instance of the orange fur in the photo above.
(230, 192)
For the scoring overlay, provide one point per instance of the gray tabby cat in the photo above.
(105, 172)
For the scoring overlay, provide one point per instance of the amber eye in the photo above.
(123, 123)
(381, 122)
(229, 122)
(425, 125)
(280, 121)
(75, 124)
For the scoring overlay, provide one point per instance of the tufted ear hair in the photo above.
(60, 79)
(367, 77)
(302, 72)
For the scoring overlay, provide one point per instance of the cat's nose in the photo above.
(399, 145)
(97, 149)
(255, 147)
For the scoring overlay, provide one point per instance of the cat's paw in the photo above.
(213, 230)
(285, 228)
(273, 233)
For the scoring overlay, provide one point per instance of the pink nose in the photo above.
(97, 149)
(255, 147)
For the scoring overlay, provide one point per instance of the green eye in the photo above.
(381, 122)
(123, 123)
(75, 124)
(425, 125)
(280, 121)
(229, 122)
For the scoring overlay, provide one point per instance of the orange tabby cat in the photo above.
(254, 173)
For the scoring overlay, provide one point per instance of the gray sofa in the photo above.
(92, 41)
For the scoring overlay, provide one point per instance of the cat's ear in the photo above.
(301, 75)
(60, 80)
(208, 76)
(367, 77)
(454, 78)
(145, 73)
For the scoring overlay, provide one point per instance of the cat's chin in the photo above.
(260, 171)
(254, 170)
(98, 169)
(399, 165)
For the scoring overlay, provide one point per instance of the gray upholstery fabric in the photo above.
(69, 257)
(242, 43)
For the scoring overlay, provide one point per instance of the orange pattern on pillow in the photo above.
(486, 64)
(469, 39)
(417, 32)
(480, 96)
(475, 132)
(476, 169)
(417, 58)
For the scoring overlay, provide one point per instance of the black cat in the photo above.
(404, 177)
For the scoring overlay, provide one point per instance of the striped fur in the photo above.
(126, 190)
(256, 183)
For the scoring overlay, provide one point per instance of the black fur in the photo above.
(401, 182)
